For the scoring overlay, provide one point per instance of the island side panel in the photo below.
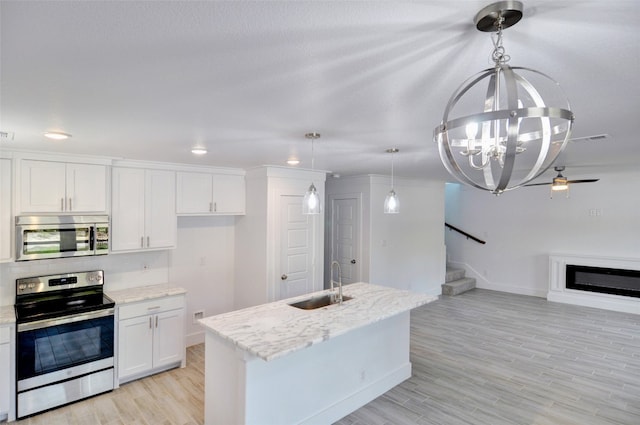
(224, 379)
(316, 385)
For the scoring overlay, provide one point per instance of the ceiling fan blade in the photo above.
(583, 181)
(538, 184)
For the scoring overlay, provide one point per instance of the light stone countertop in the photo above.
(7, 315)
(275, 329)
(132, 295)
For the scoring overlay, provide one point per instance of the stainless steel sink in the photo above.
(318, 302)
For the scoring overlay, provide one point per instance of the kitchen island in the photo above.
(278, 364)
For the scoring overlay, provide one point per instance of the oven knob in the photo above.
(32, 285)
(22, 287)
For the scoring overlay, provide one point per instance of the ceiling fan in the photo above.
(560, 182)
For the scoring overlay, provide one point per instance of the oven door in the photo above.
(62, 348)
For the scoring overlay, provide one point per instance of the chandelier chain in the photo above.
(498, 55)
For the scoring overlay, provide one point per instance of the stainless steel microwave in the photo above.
(43, 237)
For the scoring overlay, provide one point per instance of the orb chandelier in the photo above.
(499, 134)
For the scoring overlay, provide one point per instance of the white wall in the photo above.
(203, 264)
(405, 250)
(120, 271)
(522, 227)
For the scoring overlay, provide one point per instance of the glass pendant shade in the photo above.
(391, 203)
(311, 201)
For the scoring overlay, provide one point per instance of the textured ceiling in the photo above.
(151, 79)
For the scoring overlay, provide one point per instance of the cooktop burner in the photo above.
(51, 296)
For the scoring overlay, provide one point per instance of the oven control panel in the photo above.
(33, 285)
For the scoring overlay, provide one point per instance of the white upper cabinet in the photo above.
(143, 209)
(5, 209)
(210, 194)
(59, 187)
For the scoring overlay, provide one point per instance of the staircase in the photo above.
(456, 283)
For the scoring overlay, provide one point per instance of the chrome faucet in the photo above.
(334, 262)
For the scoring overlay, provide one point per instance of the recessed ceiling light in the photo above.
(56, 135)
(199, 151)
(293, 161)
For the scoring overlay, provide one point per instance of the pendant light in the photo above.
(391, 203)
(516, 134)
(311, 201)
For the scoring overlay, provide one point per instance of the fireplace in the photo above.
(611, 283)
(603, 280)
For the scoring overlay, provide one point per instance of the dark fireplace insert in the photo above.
(604, 280)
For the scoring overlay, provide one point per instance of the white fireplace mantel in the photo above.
(559, 293)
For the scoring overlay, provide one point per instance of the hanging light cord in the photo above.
(312, 157)
(392, 154)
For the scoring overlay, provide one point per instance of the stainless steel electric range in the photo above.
(64, 341)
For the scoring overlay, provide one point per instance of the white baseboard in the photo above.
(604, 301)
(195, 338)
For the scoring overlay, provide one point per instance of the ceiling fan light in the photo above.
(559, 183)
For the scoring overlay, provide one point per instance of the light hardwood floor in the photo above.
(479, 358)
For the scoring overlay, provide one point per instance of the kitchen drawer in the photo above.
(152, 306)
(5, 334)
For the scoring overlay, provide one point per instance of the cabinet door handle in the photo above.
(156, 321)
(70, 207)
(61, 204)
(215, 207)
(150, 323)
(284, 277)
(148, 244)
(210, 206)
(353, 261)
(141, 241)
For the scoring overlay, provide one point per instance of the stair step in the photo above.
(459, 286)
(454, 274)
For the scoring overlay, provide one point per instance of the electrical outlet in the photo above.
(595, 212)
(197, 315)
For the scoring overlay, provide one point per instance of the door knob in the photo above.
(353, 261)
(284, 277)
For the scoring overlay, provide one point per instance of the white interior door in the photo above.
(345, 238)
(296, 248)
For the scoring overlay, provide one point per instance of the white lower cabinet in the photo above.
(5, 371)
(151, 337)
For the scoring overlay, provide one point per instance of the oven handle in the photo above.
(39, 324)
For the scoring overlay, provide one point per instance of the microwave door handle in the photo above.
(92, 239)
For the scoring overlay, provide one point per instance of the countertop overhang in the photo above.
(273, 330)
